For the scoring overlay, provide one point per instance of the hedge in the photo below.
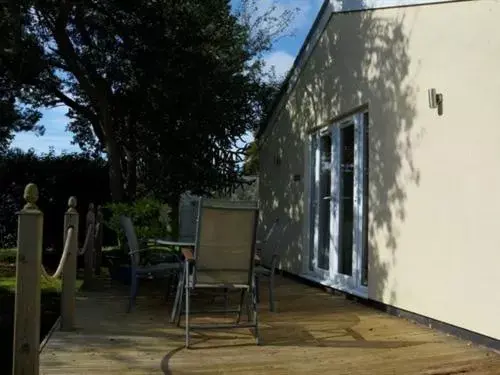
(58, 177)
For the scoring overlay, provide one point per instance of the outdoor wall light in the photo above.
(436, 101)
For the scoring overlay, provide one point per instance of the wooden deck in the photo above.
(313, 332)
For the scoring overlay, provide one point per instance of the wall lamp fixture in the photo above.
(436, 100)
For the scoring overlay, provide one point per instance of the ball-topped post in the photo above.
(72, 204)
(26, 339)
(71, 220)
(31, 196)
(89, 251)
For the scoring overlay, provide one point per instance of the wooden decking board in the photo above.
(313, 331)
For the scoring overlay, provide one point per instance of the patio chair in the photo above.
(223, 259)
(188, 217)
(262, 270)
(166, 268)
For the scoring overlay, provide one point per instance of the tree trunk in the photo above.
(131, 181)
(115, 171)
(174, 215)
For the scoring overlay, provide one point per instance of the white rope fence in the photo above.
(26, 337)
(69, 238)
(62, 262)
(87, 240)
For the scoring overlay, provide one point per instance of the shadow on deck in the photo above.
(312, 331)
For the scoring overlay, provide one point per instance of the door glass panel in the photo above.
(364, 256)
(325, 188)
(314, 202)
(346, 203)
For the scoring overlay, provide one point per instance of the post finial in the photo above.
(31, 196)
(72, 204)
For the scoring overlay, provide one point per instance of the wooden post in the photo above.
(98, 240)
(27, 306)
(89, 252)
(69, 270)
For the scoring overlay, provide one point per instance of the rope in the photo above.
(97, 229)
(64, 256)
(86, 243)
(62, 262)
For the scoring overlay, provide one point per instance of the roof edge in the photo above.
(329, 8)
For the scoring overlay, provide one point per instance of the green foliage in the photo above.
(165, 88)
(150, 218)
(251, 165)
(8, 256)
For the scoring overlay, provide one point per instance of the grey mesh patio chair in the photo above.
(261, 270)
(188, 217)
(168, 267)
(223, 258)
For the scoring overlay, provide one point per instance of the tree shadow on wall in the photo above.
(360, 60)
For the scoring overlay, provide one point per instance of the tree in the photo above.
(251, 166)
(164, 88)
(13, 117)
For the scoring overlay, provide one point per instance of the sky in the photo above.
(281, 57)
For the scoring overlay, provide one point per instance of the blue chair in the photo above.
(165, 266)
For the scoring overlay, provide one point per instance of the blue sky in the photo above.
(281, 57)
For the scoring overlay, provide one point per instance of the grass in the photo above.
(8, 255)
(8, 275)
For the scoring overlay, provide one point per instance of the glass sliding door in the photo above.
(339, 201)
(325, 193)
(365, 194)
(321, 191)
(346, 200)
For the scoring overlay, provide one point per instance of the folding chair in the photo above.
(223, 258)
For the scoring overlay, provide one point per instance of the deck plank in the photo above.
(313, 331)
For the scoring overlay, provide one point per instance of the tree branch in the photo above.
(65, 46)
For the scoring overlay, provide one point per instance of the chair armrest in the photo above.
(188, 254)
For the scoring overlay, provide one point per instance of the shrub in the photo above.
(150, 218)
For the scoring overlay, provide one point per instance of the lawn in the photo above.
(8, 275)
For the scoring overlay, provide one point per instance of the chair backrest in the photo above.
(132, 242)
(188, 217)
(226, 237)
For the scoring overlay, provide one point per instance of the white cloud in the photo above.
(281, 60)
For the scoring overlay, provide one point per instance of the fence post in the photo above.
(89, 251)
(69, 271)
(27, 305)
(98, 240)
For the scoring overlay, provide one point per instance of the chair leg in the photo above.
(271, 293)
(186, 284)
(179, 304)
(242, 299)
(257, 292)
(255, 315)
(178, 298)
